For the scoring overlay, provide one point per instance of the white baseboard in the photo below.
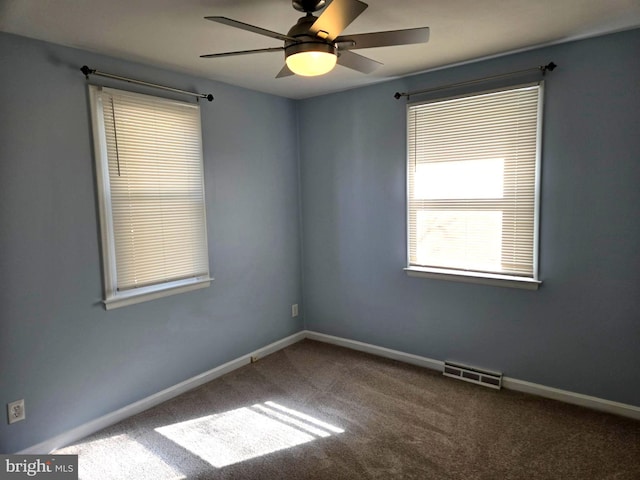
(595, 403)
(109, 419)
(375, 350)
(98, 424)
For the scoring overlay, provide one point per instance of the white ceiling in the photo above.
(173, 33)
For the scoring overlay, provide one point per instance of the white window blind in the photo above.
(150, 162)
(472, 175)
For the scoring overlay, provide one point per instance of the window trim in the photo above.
(112, 297)
(474, 277)
(477, 277)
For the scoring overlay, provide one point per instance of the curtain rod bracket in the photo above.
(549, 67)
(88, 71)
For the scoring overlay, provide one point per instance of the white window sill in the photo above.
(474, 277)
(131, 297)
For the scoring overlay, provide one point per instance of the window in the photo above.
(151, 195)
(472, 175)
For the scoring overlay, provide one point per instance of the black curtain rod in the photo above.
(88, 71)
(542, 68)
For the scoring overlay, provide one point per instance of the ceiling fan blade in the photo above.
(285, 72)
(336, 17)
(242, 52)
(250, 28)
(384, 39)
(357, 62)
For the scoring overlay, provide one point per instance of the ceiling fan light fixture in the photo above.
(312, 59)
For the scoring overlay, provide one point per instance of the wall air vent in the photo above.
(473, 375)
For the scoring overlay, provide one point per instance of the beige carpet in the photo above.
(316, 411)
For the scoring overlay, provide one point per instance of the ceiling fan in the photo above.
(313, 45)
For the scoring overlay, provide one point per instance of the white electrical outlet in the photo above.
(15, 411)
(294, 310)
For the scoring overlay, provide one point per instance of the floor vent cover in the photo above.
(473, 375)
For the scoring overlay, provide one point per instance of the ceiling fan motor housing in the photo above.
(305, 40)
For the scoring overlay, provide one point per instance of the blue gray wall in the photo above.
(71, 360)
(581, 330)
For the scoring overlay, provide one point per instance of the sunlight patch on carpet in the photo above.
(245, 433)
(303, 416)
(121, 458)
